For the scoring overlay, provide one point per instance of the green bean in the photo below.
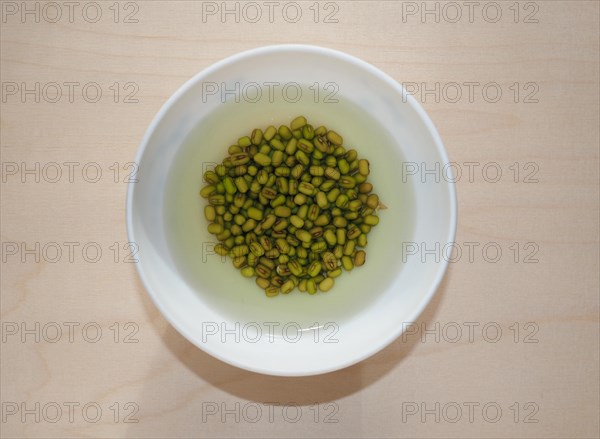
(256, 137)
(257, 249)
(264, 149)
(306, 188)
(209, 213)
(308, 132)
(221, 249)
(351, 155)
(311, 286)
(316, 181)
(294, 267)
(302, 285)
(211, 177)
(244, 141)
(276, 160)
(262, 282)
(340, 221)
(349, 247)
(354, 205)
(347, 182)
(319, 246)
(322, 220)
(298, 123)
(207, 191)
(327, 185)
(351, 215)
(255, 213)
(272, 291)
(347, 263)
(362, 240)
(332, 173)
(316, 232)
(282, 245)
(302, 210)
(250, 224)
(341, 201)
(282, 211)
(287, 287)
(296, 221)
(371, 220)
(373, 201)
(240, 261)
(248, 271)
(321, 144)
(240, 159)
(272, 254)
(279, 200)
(334, 138)
(235, 149)
(340, 236)
(313, 212)
(263, 271)
(314, 269)
(285, 132)
(335, 273)
(305, 146)
(359, 179)
(269, 133)
(317, 171)
(277, 144)
(303, 235)
(320, 131)
(224, 235)
(241, 185)
(363, 167)
(280, 224)
(240, 250)
(216, 200)
(300, 199)
(262, 159)
(302, 157)
(330, 261)
(326, 284)
(333, 194)
(330, 237)
(239, 171)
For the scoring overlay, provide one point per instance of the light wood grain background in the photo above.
(544, 378)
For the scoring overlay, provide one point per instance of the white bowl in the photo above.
(205, 298)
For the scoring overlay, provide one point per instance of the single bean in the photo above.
(257, 136)
(359, 258)
(209, 213)
(326, 284)
(262, 159)
(248, 271)
(334, 138)
(371, 220)
(255, 213)
(282, 211)
(285, 132)
(298, 123)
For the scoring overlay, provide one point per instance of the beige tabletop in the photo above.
(508, 347)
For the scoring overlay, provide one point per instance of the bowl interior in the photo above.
(204, 296)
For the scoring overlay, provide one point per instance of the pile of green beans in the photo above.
(292, 207)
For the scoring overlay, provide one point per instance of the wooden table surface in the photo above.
(509, 346)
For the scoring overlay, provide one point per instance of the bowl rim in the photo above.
(344, 57)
